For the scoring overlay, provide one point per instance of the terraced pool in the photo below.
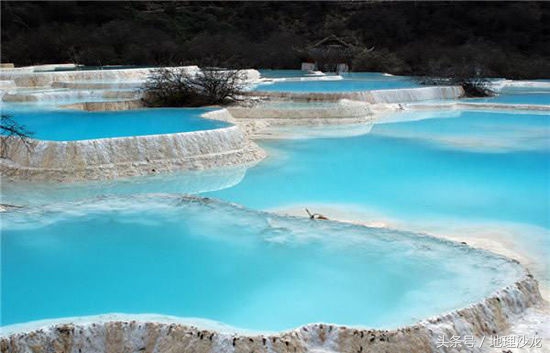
(203, 259)
(61, 125)
(137, 245)
(350, 82)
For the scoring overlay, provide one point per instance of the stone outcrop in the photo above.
(106, 106)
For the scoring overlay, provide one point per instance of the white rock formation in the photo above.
(490, 317)
(127, 156)
(26, 78)
(30, 77)
(402, 95)
(264, 120)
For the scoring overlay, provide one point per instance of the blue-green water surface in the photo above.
(517, 95)
(356, 81)
(61, 125)
(167, 255)
(480, 164)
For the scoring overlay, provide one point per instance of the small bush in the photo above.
(473, 86)
(180, 88)
(476, 87)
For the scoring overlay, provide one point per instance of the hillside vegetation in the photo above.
(494, 39)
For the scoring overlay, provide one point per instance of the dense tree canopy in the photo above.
(504, 39)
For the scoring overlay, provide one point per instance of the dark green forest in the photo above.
(493, 39)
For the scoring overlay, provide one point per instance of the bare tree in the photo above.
(11, 130)
(176, 87)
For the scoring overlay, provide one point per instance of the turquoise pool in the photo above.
(287, 73)
(62, 125)
(475, 172)
(477, 164)
(526, 95)
(350, 82)
(478, 174)
(250, 270)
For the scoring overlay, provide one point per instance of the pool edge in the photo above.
(110, 158)
(491, 316)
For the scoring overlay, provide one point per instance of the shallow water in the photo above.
(458, 167)
(465, 166)
(288, 73)
(481, 131)
(473, 174)
(184, 182)
(457, 170)
(350, 82)
(517, 95)
(251, 270)
(68, 125)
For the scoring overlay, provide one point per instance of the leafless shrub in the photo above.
(473, 86)
(11, 130)
(179, 88)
